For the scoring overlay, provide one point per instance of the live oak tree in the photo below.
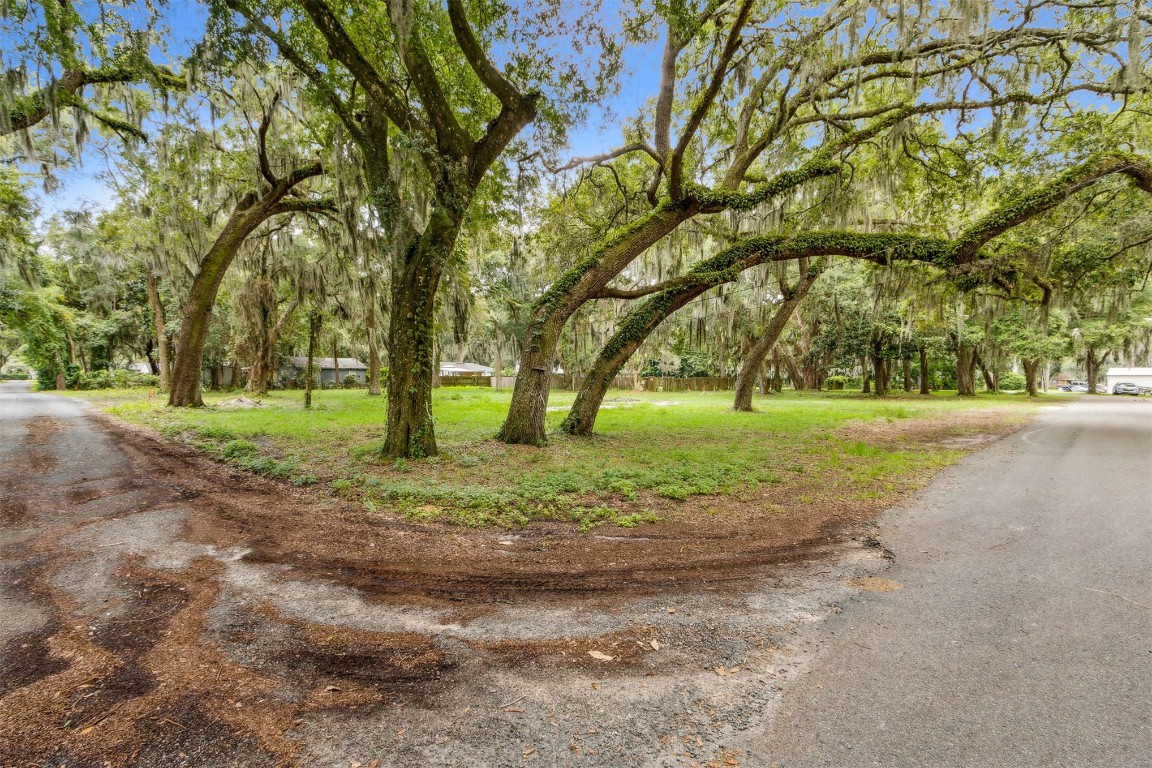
(757, 100)
(405, 74)
(961, 254)
(272, 187)
(84, 59)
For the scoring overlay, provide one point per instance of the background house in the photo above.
(465, 369)
(1141, 377)
(349, 366)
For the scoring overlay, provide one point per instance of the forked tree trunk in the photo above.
(753, 365)
(264, 361)
(925, 389)
(1092, 365)
(1031, 368)
(159, 331)
(965, 370)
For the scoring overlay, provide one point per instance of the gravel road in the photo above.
(1022, 635)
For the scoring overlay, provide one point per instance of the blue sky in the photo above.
(82, 185)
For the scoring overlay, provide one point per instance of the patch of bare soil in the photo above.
(170, 666)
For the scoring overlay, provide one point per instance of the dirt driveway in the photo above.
(161, 609)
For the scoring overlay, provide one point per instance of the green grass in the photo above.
(655, 456)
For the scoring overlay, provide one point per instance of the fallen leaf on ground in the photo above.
(655, 644)
(529, 751)
(671, 610)
(513, 709)
(600, 656)
(331, 688)
(874, 584)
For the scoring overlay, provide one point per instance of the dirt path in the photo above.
(159, 608)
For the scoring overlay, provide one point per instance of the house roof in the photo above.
(325, 363)
(464, 367)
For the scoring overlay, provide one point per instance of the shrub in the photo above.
(835, 382)
(351, 381)
(1011, 380)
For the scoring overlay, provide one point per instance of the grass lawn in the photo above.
(657, 456)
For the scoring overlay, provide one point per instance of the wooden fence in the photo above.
(689, 384)
(465, 381)
(573, 382)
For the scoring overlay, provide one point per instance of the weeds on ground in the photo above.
(655, 455)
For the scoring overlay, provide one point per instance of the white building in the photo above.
(1141, 377)
(465, 369)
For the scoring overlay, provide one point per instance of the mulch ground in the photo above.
(149, 689)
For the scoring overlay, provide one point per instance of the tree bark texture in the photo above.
(965, 370)
(159, 331)
(372, 326)
(1093, 361)
(1031, 368)
(410, 432)
(880, 369)
(315, 319)
(925, 389)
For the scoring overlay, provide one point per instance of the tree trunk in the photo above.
(907, 374)
(264, 361)
(796, 375)
(865, 375)
(373, 328)
(411, 338)
(159, 331)
(965, 370)
(631, 333)
(197, 314)
(525, 422)
(315, 319)
(335, 362)
(924, 388)
(991, 378)
(880, 366)
(1031, 368)
(753, 365)
(1092, 366)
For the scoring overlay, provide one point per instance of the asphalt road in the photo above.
(1022, 635)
